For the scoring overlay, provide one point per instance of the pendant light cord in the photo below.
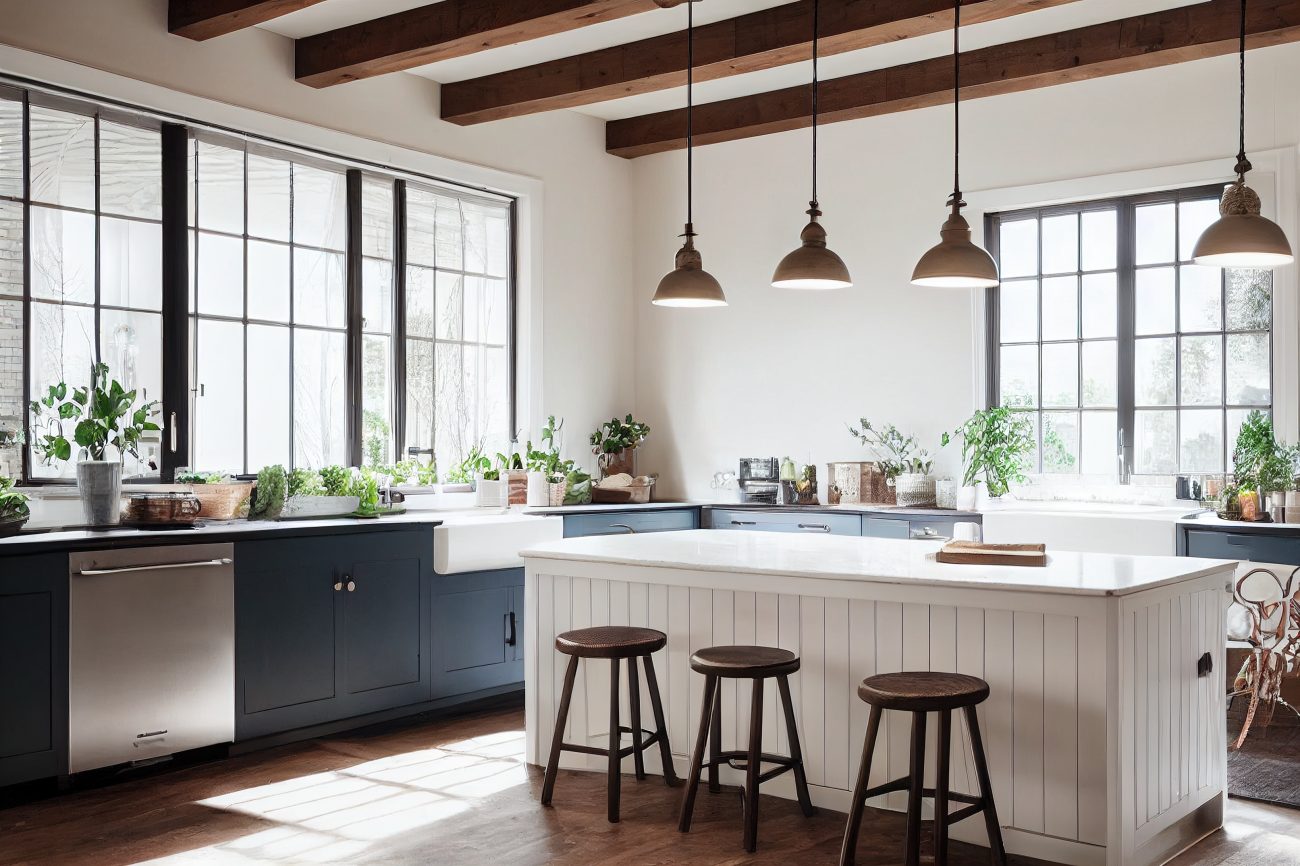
(816, 32)
(690, 114)
(1243, 164)
(956, 201)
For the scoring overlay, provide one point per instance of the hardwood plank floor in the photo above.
(456, 791)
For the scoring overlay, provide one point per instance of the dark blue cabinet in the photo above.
(33, 667)
(478, 631)
(330, 628)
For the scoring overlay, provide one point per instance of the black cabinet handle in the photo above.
(624, 526)
(511, 640)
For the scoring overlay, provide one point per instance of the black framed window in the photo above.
(1114, 342)
(273, 277)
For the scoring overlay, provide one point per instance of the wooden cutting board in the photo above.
(978, 553)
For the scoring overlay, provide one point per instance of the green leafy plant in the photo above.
(578, 491)
(200, 478)
(305, 482)
(995, 444)
(375, 432)
(336, 481)
(614, 435)
(105, 414)
(892, 450)
(268, 499)
(13, 503)
(365, 486)
(547, 457)
(1259, 461)
(475, 463)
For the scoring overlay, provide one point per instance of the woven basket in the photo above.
(221, 501)
(556, 491)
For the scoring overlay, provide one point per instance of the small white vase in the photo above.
(539, 492)
(967, 497)
(100, 484)
(489, 494)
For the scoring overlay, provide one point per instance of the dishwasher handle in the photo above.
(207, 563)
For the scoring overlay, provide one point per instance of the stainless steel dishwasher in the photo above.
(152, 653)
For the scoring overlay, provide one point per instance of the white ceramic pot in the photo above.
(945, 493)
(967, 496)
(489, 494)
(539, 492)
(914, 490)
(100, 484)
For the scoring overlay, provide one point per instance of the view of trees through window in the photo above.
(272, 283)
(1104, 294)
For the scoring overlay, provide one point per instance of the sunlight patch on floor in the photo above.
(335, 816)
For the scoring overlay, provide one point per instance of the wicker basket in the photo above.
(556, 491)
(638, 494)
(221, 501)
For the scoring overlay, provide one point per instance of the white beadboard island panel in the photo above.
(1091, 663)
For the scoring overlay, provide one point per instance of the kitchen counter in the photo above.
(1105, 742)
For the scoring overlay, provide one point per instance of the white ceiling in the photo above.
(339, 13)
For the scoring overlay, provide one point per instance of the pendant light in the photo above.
(688, 284)
(813, 265)
(1241, 238)
(956, 262)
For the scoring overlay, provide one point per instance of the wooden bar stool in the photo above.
(755, 663)
(614, 643)
(920, 693)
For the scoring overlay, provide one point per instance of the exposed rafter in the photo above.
(439, 31)
(1141, 42)
(204, 19)
(758, 40)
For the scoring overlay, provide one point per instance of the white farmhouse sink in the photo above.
(468, 541)
(1088, 527)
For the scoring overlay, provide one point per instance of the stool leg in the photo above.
(657, 707)
(715, 741)
(849, 852)
(615, 741)
(796, 753)
(996, 851)
(753, 766)
(941, 789)
(697, 757)
(634, 704)
(917, 772)
(557, 741)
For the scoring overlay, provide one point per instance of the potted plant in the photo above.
(891, 449)
(269, 494)
(327, 493)
(548, 473)
(914, 486)
(1262, 466)
(994, 446)
(220, 497)
(14, 509)
(489, 488)
(107, 423)
(615, 444)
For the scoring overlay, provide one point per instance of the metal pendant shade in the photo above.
(1241, 237)
(688, 284)
(813, 265)
(956, 262)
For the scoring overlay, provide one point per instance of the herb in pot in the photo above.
(995, 445)
(268, 498)
(547, 458)
(336, 481)
(365, 486)
(305, 482)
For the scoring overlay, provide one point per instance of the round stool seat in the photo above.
(923, 691)
(611, 642)
(744, 661)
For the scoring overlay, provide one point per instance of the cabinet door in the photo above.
(517, 620)
(629, 522)
(472, 629)
(810, 522)
(885, 527)
(383, 633)
(285, 634)
(33, 667)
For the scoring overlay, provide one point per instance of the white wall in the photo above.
(780, 372)
(580, 282)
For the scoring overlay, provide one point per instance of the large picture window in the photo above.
(329, 313)
(1115, 343)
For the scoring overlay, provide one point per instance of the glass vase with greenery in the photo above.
(892, 449)
(995, 446)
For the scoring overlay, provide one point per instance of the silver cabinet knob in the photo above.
(352, 586)
(338, 586)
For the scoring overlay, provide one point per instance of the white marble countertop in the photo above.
(875, 560)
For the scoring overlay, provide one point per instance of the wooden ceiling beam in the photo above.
(440, 31)
(1141, 42)
(204, 19)
(758, 40)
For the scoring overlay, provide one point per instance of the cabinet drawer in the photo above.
(1243, 545)
(786, 521)
(625, 522)
(886, 527)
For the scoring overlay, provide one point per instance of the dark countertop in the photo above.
(72, 538)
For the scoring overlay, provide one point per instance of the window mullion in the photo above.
(1125, 276)
(993, 316)
(353, 271)
(175, 300)
(399, 320)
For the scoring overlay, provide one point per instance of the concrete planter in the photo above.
(100, 484)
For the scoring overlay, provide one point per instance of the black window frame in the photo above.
(177, 410)
(1126, 269)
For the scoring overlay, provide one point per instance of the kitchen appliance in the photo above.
(151, 661)
(759, 480)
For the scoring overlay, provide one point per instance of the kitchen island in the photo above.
(1105, 727)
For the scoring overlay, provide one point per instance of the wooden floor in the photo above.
(456, 791)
